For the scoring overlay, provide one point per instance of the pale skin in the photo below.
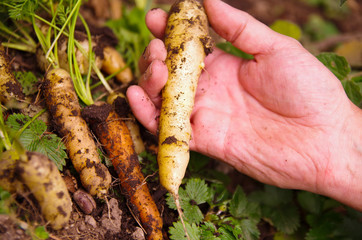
(282, 118)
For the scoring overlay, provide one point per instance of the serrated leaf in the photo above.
(52, 147)
(249, 229)
(193, 213)
(41, 232)
(310, 202)
(197, 190)
(238, 203)
(271, 196)
(287, 28)
(353, 91)
(184, 199)
(34, 139)
(208, 231)
(28, 82)
(197, 162)
(177, 231)
(285, 217)
(226, 232)
(338, 65)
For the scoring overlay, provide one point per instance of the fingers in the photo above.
(156, 20)
(155, 50)
(153, 80)
(240, 28)
(143, 108)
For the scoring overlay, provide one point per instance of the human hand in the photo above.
(279, 118)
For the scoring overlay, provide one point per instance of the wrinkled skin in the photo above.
(282, 118)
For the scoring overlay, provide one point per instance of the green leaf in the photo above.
(28, 82)
(21, 9)
(133, 35)
(197, 162)
(192, 213)
(341, 2)
(229, 48)
(285, 217)
(338, 65)
(197, 190)
(238, 203)
(177, 231)
(4, 195)
(226, 232)
(310, 202)
(34, 138)
(249, 229)
(318, 29)
(287, 28)
(272, 196)
(353, 91)
(41, 232)
(208, 231)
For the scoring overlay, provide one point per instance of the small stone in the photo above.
(138, 234)
(90, 220)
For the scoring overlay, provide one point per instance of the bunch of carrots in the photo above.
(69, 63)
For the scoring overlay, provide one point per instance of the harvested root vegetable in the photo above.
(42, 178)
(187, 42)
(113, 62)
(63, 105)
(81, 53)
(115, 138)
(11, 93)
(8, 180)
(124, 111)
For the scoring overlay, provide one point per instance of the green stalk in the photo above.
(5, 140)
(90, 53)
(74, 10)
(18, 133)
(83, 92)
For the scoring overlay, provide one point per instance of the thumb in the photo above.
(240, 28)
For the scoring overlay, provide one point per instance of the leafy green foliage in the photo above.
(41, 233)
(332, 8)
(278, 208)
(5, 201)
(236, 218)
(318, 29)
(327, 223)
(35, 139)
(21, 9)
(28, 82)
(339, 66)
(229, 48)
(148, 162)
(195, 193)
(177, 231)
(287, 28)
(133, 35)
(341, 2)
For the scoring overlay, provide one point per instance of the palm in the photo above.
(244, 107)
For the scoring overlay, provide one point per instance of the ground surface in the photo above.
(117, 222)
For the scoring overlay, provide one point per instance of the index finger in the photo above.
(156, 20)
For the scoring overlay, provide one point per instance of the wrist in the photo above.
(343, 175)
